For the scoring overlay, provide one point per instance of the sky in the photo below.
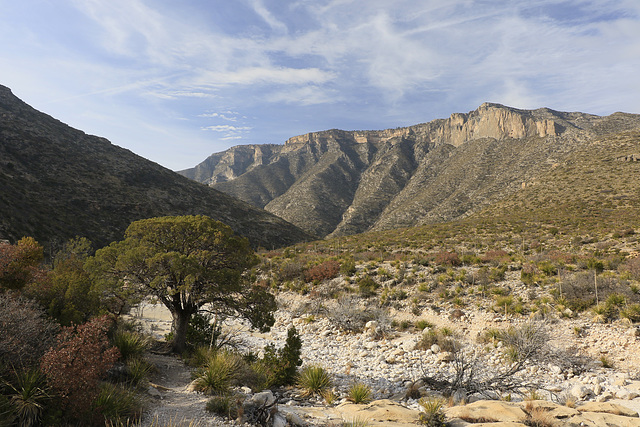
(175, 81)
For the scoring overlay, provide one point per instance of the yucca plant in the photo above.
(219, 373)
(359, 393)
(28, 396)
(432, 415)
(131, 344)
(313, 380)
(118, 404)
(138, 370)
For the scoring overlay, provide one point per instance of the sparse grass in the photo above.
(355, 422)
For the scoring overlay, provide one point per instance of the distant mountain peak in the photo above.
(338, 182)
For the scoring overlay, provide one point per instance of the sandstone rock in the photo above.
(603, 419)
(555, 410)
(609, 408)
(484, 411)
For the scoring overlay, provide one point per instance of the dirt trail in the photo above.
(170, 404)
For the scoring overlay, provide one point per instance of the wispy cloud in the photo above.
(288, 67)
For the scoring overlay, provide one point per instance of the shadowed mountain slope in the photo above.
(346, 182)
(57, 182)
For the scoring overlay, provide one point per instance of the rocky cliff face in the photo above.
(344, 182)
(57, 182)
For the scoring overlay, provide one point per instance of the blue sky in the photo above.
(176, 81)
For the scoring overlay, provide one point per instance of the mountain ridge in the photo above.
(338, 182)
(58, 183)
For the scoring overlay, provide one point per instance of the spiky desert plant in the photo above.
(359, 393)
(313, 380)
(432, 415)
(217, 376)
(138, 370)
(118, 404)
(130, 343)
(28, 397)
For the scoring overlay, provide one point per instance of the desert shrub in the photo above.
(359, 393)
(324, 271)
(448, 258)
(443, 337)
(422, 324)
(632, 265)
(118, 405)
(314, 380)
(19, 263)
(74, 366)
(350, 316)
(528, 274)
(348, 267)
(280, 366)
(290, 270)
(138, 371)
(367, 286)
(631, 312)
(496, 257)
(66, 292)
(578, 289)
(25, 332)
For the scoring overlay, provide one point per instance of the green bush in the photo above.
(281, 365)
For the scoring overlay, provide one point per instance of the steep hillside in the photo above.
(339, 183)
(56, 182)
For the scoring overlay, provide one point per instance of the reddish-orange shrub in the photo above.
(447, 258)
(77, 362)
(327, 270)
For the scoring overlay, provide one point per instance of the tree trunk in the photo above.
(179, 327)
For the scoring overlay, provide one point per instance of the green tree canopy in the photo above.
(186, 262)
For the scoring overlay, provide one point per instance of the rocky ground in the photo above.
(388, 362)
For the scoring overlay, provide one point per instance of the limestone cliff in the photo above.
(338, 182)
